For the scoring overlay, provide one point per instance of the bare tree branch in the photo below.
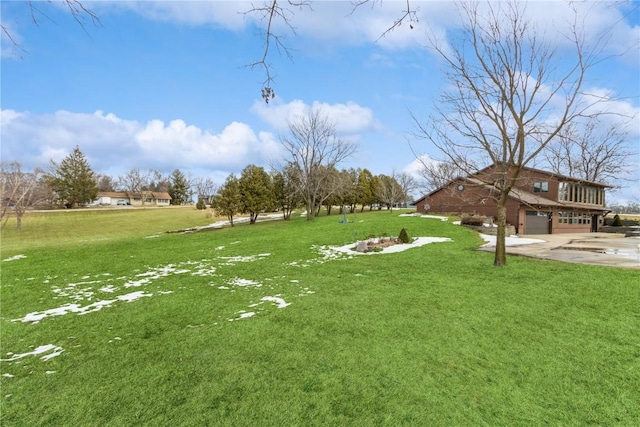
(80, 13)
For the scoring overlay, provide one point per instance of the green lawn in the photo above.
(433, 335)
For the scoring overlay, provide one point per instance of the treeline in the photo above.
(72, 183)
(629, 208)
(256, 191)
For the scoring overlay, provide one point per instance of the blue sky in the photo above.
(164, 85)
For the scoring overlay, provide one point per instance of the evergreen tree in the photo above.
(256, 190)
(179, 188)
(228, 201)
(364, 190)
(72, 180)
(287, 198)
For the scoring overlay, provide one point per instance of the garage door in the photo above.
(536, 223)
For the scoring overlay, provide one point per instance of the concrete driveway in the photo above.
(586, 248)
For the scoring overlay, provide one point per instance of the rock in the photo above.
(361, 246)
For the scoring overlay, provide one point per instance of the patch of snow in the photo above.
(7, 375)
(441, 218)
(14, 258)
(244, 282)
(509, 241)
(39, 350)
(244, 315)
(37, 316)
(281, 303)
(219, 248)
(419, 241)
(133, 296)
(49, 372)
(231, 260)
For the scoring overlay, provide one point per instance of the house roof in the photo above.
(519, 194)
(131, 195)
(553, 174)
(523, 196)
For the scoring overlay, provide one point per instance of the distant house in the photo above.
(540, 203)
(127, 198)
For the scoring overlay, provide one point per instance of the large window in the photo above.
(578, 193)
(573, 218)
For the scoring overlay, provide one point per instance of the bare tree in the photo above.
(134, 180)
(503, 81)
(407, 184)
(274, 13)
(105, 182)
(206, 189)
(17, 191)
(313, 149)
(591, 151)
(79, 11)
(394, 189)
(271, 13)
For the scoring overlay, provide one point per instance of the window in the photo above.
(573, 218)
(540, 187)
(578, 193)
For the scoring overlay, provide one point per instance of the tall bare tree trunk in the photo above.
(500, 258)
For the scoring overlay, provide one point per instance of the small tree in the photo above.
(228, 200)
(256, 191)
(314, 150)
(287, 198)
(364, 190)
(617, 221)
(17, 191)
(404, 236)
(73, 180)
(179, 188)
(389, 191)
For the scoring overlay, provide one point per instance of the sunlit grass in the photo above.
(431, 336)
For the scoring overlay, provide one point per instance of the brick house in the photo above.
(540, 203)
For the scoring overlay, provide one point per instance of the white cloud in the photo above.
(339, 24)
(349, 118)
(111, 143)
(223, 14)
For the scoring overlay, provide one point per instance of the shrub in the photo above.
(617, 222)
(201, 205)
(404, 237)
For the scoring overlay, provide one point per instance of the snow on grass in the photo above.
(441, 218)
(509, 241)
(244, 282)
(232, 260)
(37, 316)
(329, 253)
(55, 351)
(226, 223)
(78, 291)
(280, 302)
(14, 258)
(400, 247)
(243, 315)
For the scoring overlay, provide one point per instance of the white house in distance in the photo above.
(128, 198)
